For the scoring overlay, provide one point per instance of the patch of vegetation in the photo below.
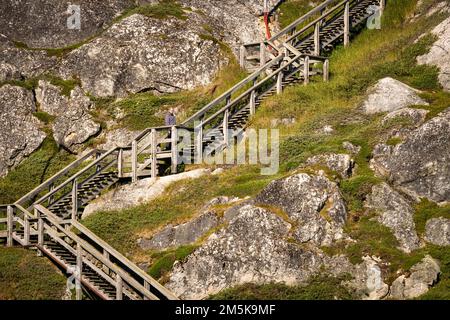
(24, 276)
(291, 10)
(66, 86)
(319, 288)
(44, 117)
(393, 141)
(162, 10)
(164, 260)
(426, 210)
(40, 165)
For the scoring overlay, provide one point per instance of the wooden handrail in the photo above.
(76, 175)
(56, 176)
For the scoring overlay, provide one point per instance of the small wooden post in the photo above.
(119, 287)
(120, 163)
(75, 199)
(326, 70)
(40, 231)
(317, 39)
(147, 287)
(253, 102)
(98, 167)
(242, 55)
(225, 127)
(154, 151)
(9, 226)
(50, 189)
(78, 290)
(174, 149)
(382, 6)
(262, 54)
(199, 143)
(134, 174)
(347, 24)
(106, 255)
(26, 231)
(280, 82)
(306, 70)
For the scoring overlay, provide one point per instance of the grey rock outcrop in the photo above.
(422, 276)
(396, 214)
(388, 95)
(19, 134)
(415, 116)
(341, 163)
(231, 257)
(142, 191)
(420, 166)
(43, 24)
(183, 234)
(439, 54)
(8, 72)
(314, 202)
(350, 147)
(142, 53)
(437, 231)
(73, 124)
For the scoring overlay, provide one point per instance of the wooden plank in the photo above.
(174, 150)
(134, 161)
(347, 24)
(119, 287)
(75, 199)
(306, 71)
(326, 70)
(154, 163)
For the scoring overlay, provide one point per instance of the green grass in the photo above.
(319, 288)
(44, 117)
(162, 10)
(426, 210)
(24, 276)
(163, 261)
(40, 165)
(291, 10)
(66, 86)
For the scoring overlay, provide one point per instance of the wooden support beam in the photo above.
(326, 70)
(382, 6)
(40, 230)
(253, 102)
(262, 54)
(347, 24)
(174, 149)
(105, 267)
(199, 143)
(317, 39)
(242, 56)
(306, 71)
(26, 231)
(134, 174)
(225, 127)
(280, 82)
(9, 226)
(50, 189)
(120, 163)
(75, 199)
(154, 151)
(78, 273)
(119, 287)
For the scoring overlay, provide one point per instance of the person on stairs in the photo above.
(170, 119)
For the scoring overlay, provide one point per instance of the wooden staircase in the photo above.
(46, 219)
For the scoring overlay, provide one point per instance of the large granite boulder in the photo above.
(314, 202)
(396, 214)
(420, 166)
(231, 257)
(343, 164)
(421, 277)
(388, 95)
(43, 23)
(19, 134)
(437, 231)
(439, 53)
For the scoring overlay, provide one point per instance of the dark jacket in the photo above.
(170, 119)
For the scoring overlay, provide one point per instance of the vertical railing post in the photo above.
(75, 199)
(9, 226)
(120, 163)
(26, 230)
(199, 142)
(174, 149)
(134, 174)
(317, 39)
(79, 269)
(306, 70)
(147, 287)
(252, 102)
(154, 154)
(105, 267)
(280, 82)
(40, 228)
(50, 189)
(98, 166)
(242, 55)
(326, 70)
(347, 24)
(225, 127)
(262, 54)
(119, 287)
(382, 6)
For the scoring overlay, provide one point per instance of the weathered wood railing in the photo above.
(309, 25)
